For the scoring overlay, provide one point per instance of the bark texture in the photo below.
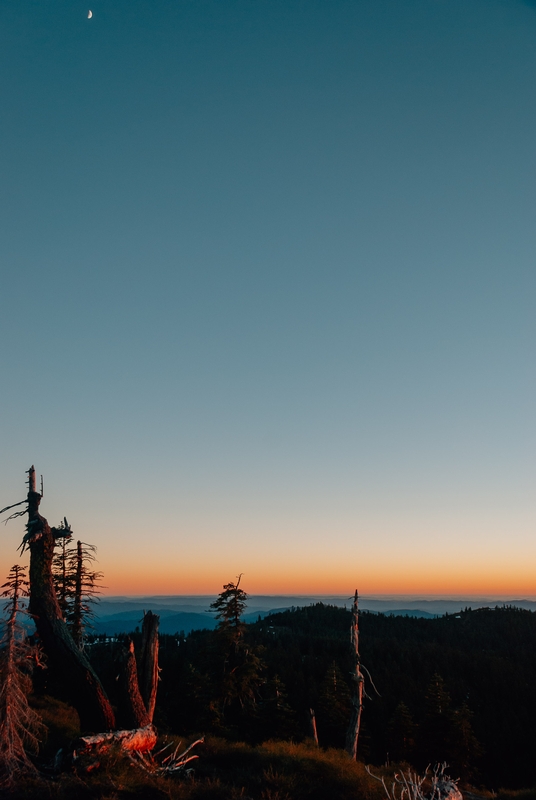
(141, 740)
(131, 712)
(148, 662)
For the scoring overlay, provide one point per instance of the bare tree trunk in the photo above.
(83, 686)
(132, 711)
(313, 733)
(148, 662)
(352, 735)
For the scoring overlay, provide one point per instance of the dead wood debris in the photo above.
(434, 784)
(174, 764)
(137, 745)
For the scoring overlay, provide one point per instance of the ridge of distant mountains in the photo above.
(186, 613)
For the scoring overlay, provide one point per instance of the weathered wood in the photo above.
(173, 764)
(433, 784)
(148, 662)
(131, 711)
(84, 688)
(352, 735)
(140, 740)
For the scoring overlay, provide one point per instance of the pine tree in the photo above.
(401, 734)
(76, 585)
(241, 678)
(446, 733)
(86, 583)
(20, 726)
(277, 718)
(229, 607)
(465, 747)
(334, 708)
(436, 729)
(61, 572)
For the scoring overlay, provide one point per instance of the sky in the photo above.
(268, 290)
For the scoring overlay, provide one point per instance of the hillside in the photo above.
(459, 688)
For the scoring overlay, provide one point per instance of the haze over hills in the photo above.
(191, 612)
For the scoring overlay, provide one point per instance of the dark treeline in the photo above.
(460, 688)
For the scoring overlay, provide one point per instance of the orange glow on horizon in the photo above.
(496, 582)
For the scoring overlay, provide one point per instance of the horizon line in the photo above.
(443, 596)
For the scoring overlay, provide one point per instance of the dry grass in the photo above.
(224, 771)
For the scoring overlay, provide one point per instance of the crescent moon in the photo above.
(89, 14)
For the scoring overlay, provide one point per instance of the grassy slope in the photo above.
(225, 771)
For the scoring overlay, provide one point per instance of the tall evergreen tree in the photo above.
(277, 718)
(76, 584)
(334, 708)
(228, 608)
(86, 588)
(401, 734)
(436, 729)
(465, 748)
(62, 573)
(242, 665)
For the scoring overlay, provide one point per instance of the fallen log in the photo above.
(136, 745)
(140, 740)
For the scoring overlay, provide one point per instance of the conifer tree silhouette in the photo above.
(76, 584)
(242, 664)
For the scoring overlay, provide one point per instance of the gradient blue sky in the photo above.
(268, 289)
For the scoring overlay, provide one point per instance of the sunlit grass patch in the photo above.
(288, 770)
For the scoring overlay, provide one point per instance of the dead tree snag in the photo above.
(352, 735)
(83, 686)
(148, 662)
(132, 712)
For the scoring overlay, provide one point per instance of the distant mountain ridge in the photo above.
(191, 612)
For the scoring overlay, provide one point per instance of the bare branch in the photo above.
(431, 785)
(13, 506)
(15, 515)
(170, 765)
(371, 681)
